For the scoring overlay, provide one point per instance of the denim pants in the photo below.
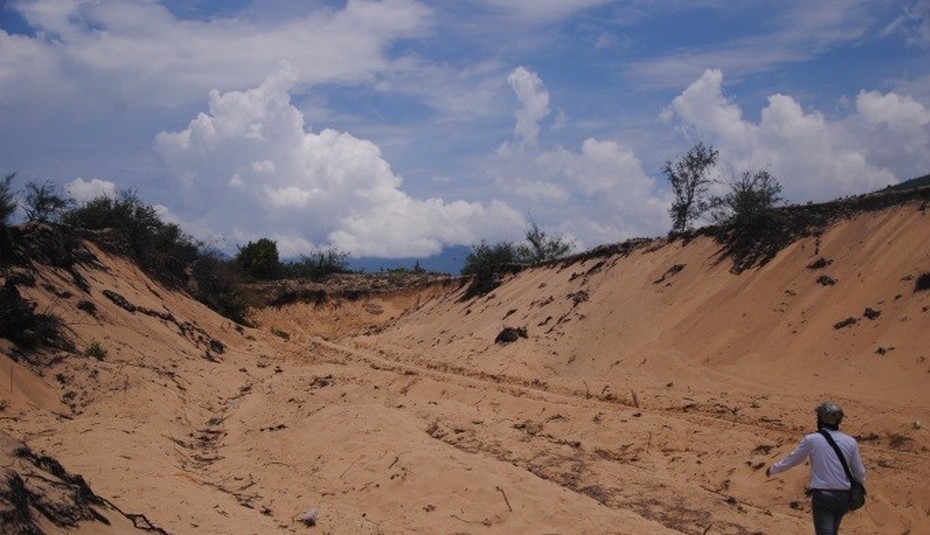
(829, 506)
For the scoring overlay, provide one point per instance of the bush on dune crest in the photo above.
(160, 248)
(165, 252)
(486, 262)
(44, 203)
(540, 246)
(748, 201)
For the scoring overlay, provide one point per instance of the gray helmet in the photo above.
(829, 413)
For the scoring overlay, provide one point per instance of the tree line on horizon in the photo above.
(169, 254)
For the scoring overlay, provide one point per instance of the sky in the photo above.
(398, 128)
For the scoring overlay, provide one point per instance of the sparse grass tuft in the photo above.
(96, 350)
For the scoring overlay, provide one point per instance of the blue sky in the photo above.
(396, 128)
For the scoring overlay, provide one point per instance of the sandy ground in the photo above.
(650, 391)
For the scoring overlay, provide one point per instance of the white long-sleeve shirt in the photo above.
(826, 471)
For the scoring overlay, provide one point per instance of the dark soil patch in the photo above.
(28, 329)
(845, 323)
(669, 272)
(510, 334)
(820, 263)
(922, 284)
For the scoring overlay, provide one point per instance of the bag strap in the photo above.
(826, 435)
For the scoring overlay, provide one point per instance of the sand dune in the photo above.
(651, 388)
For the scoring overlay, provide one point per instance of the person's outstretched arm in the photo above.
(794, 458)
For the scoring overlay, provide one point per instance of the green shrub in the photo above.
(259, 259)
(749, 200)
(166, 253)
(541, 246)
(417, 269)
(690, 184)
(319, 265)
(484, 256)
(44, 203)
(160, 248)
(95, 350)
(219, 284)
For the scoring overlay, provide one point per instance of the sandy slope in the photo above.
(650, 391)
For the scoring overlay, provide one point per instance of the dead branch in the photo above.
(509, 508)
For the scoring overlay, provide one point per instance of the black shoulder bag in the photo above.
(856, 488)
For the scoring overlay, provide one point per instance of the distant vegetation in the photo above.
(44, 203)
(485, 255)
(259, 259)
(7, 207)
(126, 225)
(487, 261)
(317, 266)
(7, 200)
(220, 284)
(159, 248)
(743, 213)
(540, 246)
(172, 256)
(746, 204)
(748, 201)
(914, 183)
(690, 183)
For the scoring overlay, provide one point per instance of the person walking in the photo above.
(829, 486)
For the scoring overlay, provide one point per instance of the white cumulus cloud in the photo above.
(897, 130)
(598, 193)
(85, 190)
(618, 199)
(893, 110)
(534, 104)
(124, 52)
(248, 168)
(813, 158)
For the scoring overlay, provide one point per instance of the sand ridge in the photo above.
(650, 391)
